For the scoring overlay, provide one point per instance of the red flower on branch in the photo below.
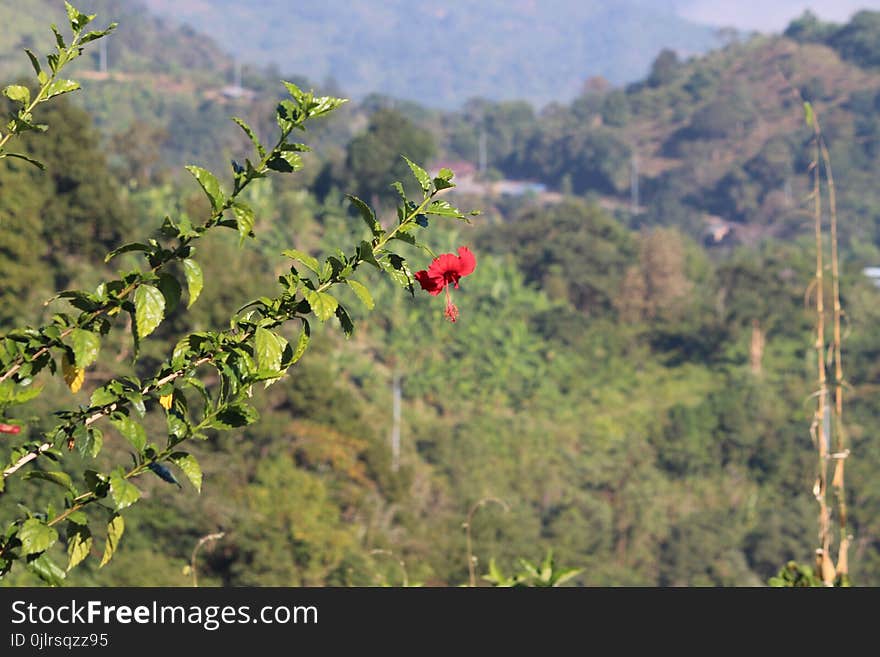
(445, 270)
(9, 428)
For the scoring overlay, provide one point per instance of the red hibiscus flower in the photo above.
(9, 428)
(445, 270)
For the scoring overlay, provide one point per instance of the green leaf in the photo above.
(61, 87)
(18, 93)
(78, 20)
(268, 349)
(102, 396)
(367, 214)
(124, 492)
(324, 104)
(170, 289)
(79, 544)
(399, 271)
(304, 258)
(35, 62)
(126, 248)
(322, 304)
(190, 467)
(345, 321)
(210, 184)
(444, 209)
(61, 478)
(285, 162)
(236, 415)
(809, 116)
(363, 293)
(149, 307)
(36, 536)
(97, 34)
(397, 186)
(85, 345)
(251, 135)
(244, 217)
(46, 569)
(194, 280)
(115, 529)
(365, 253)
(131, 430)
(302, 343)
(420, 174)
(91, 442)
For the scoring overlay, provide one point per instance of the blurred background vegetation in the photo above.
(601, 379)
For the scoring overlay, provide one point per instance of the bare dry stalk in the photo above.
(841, 451)
(192, 562)
(472, 560)
(820, 489)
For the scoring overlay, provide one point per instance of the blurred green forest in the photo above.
(600, 380)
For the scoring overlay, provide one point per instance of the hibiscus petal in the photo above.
(466, 261)
(443, 265)
(429, 283)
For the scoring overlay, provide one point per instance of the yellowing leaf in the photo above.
(165, 401)
(73, 375)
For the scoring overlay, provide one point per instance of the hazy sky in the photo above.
(769, 15)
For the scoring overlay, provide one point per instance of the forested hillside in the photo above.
(517, 49)
(602, 381)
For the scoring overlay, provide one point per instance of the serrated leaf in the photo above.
(90, 443)
(124, 492)
(60, 478)
(115, 529)
(18, 93)
(61, 87)
(78, 20)
(365, 253)
(322, 304)
(194, 280)
(127, 248)
(46, 569)
(302, 343)
(344, 321)
(397, 186)
(444, 209)
(235, 415)
(285, 162)
(362, 291)
(170, 289)
(304, 258)
(36, 536)
(244, 218)
(367, 214)
(149, 307)
(267, 349)
(420, 174)
(73, 376)
(35, 62)
(79, 544)
(131, 430)
(251, 135)
(209, 184)
(85, 346)
(102, 396)
(97, 34)
(190, 467)
(325, 104)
